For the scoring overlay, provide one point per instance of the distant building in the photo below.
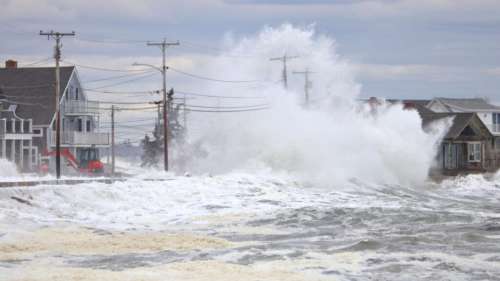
(27, 95)
(467, 146)
(472, 143)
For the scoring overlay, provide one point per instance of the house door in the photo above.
(450, 156)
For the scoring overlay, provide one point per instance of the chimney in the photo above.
(11, 64)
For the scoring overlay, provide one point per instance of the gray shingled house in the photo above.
(29, 94)
(472, 142)
(468, 145)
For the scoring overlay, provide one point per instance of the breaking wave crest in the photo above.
(330, 141)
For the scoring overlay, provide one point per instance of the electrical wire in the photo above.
(106, 69)
(216, 50)
(130, 121)
(23, 103)
(123, 102)
(228, 111)
(116, 77)
(218, 96)
(212, 79)
(228, 107)
(124, 108)
(28, 87)
(78, 38)
(36, 62)
(125, 81)
(121, 92)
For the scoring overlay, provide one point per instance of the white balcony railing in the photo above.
(81, 138)
(80, 107)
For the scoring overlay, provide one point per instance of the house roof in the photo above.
(33, 90)
(473, 104)
(459, 121)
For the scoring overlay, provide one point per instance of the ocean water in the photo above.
(251, 227)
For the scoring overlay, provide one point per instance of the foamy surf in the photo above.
(258, 225)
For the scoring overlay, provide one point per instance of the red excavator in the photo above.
(89, 164)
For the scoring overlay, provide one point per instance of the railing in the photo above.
(80, 107)
(81, 138)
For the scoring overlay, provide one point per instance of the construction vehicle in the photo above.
(89, 163)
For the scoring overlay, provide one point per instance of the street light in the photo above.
(163, 71)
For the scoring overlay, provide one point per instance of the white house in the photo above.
(30, 94)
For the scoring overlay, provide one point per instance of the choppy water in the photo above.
(251, 227)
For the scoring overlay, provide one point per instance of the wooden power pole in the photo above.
(113, 140)
(307, 85)
(57, 56)
(284, 60)
(163, 46)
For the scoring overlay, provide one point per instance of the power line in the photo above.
(116, 77)
(96, 90)
(228, 111)
(131, 121)
(123, 108)
(36, 62)
(110, 41)
(126, 81)
(28, 87)
(212, 79)
(106, 69)
(22, 103)
(220, 51)
(229, 107)
(123, 102)
(219, 96)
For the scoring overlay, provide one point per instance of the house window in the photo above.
(497, 143)
(76, 94)
(80, 125)
(474, 152)
(496, 118)
(88, 125)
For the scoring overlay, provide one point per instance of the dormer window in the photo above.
(496, 118)
(76, 94)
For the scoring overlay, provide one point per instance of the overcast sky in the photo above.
(400, 48)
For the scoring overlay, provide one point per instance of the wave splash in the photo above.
(333, 140)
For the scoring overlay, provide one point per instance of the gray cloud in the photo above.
(401, 47)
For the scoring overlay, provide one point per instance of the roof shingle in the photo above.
(33, 89)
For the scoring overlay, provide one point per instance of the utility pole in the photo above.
(307, 85)
(184, 113)
(113, 140)
(284, 59)
(163, 46)
(57, 56)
